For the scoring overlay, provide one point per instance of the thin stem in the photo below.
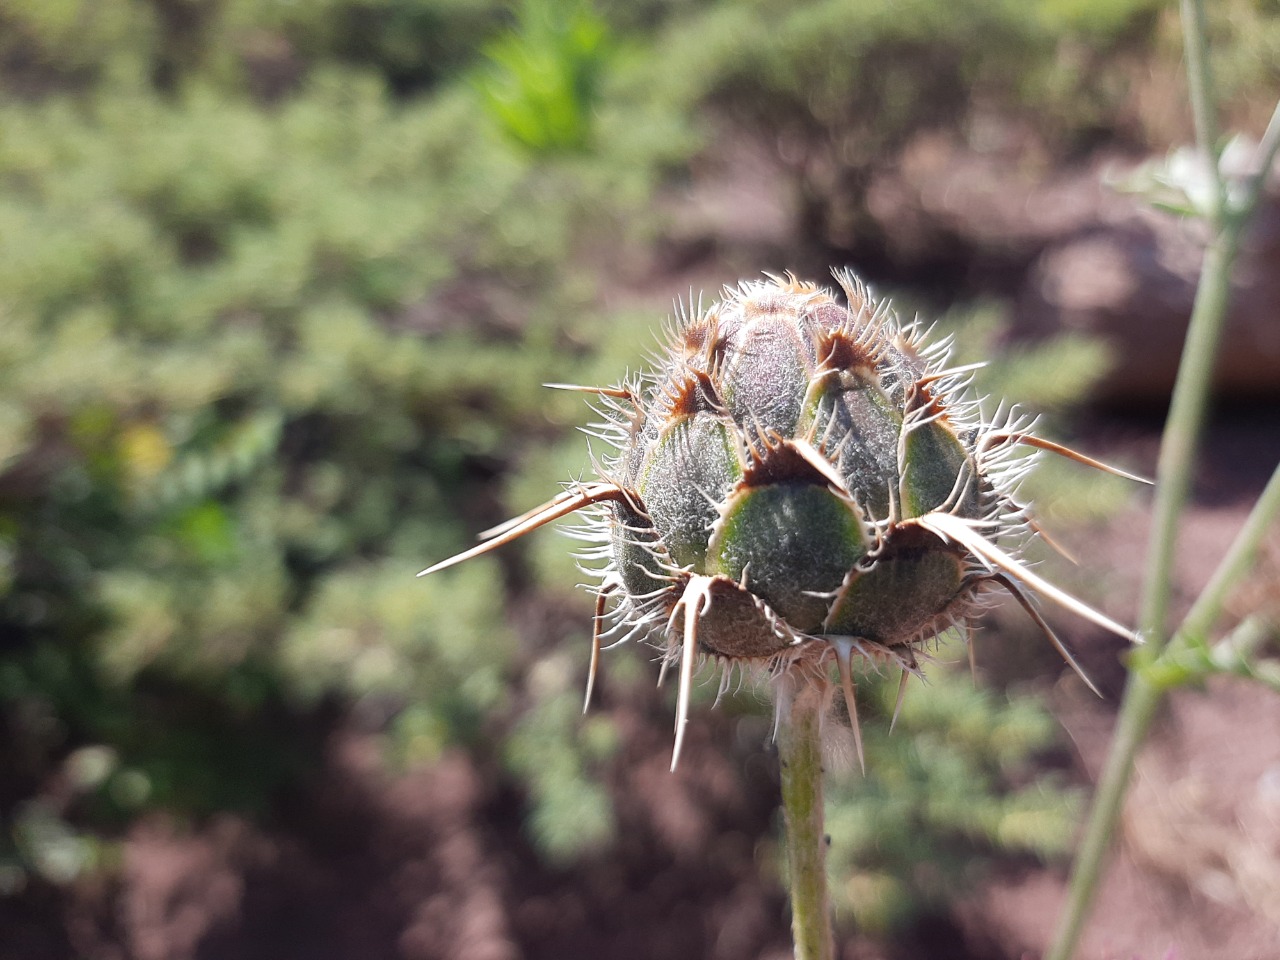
(1235, 654)
(1173, 474)
(1237, 562)
(1204, 112)
(1190, 393)
(1267, 149)
(804, 701)
(1173, 477)
(1182, 431)
(1141, 701)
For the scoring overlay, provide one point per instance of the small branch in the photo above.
(1182, 431)
(1173, 480)
(1233, 655)
(1204, 111)
(803, 699)
(1267, 149)
(1238, 561)
(1236, 652)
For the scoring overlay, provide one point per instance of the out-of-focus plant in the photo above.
(262, 46)
(542, 80)
(952, 783)
(555, 752)
(1209, 184)
(239, 376)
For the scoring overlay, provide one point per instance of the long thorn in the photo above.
(954, 528)
(1058, 548)
(618, 392)
(902, 693)
(601, 598)
(666, 663)
(696, 594)
(558, 499)
(973, 654)
(561, 506)
(1040, 622)
(844, 649)
(1039, 443)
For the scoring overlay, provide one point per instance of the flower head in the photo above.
(797, 482)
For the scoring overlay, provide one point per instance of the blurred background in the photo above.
(279, 283)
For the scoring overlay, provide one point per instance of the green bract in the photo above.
(800, 480)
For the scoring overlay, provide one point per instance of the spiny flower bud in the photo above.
(799, 481)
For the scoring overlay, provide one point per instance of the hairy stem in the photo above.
(800, 755)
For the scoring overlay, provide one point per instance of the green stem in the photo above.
(1204, 109)
(1141, 701)
(804, 701)
(1173, 477)
(1183, 428)
(1238, 562)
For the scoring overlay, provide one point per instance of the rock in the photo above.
(1131, 279)
(1075, 255)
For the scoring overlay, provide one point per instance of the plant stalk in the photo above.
(1204, 108)
(1173, 477)
(800, 756)
(1182, 431)
(1173, 480)
(1237, 562)
(1142, 701)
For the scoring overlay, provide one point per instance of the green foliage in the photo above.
(437, 647)
(867, 74)
(952, 784)
(252, 356)
(264, 46)
(1046, 376)
(542, 80)
(554, 749)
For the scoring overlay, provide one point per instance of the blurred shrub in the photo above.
(265, 46)
(864, 75)
(252, 357)
(841, 87)
(954, 783)
(554, 749)
(542, 79)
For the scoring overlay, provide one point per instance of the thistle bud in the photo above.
(798, 482)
